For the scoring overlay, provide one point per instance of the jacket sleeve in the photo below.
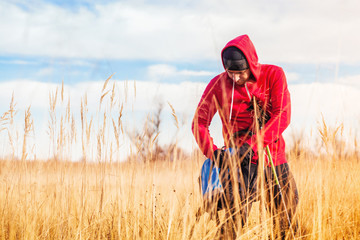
(204, 113)
(280, 112)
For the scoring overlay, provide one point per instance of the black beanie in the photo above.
(234, 59)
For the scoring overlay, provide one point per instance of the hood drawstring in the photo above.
(247, 91)
(232, 99)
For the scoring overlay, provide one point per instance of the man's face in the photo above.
(239, 77)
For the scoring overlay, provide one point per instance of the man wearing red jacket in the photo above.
(231, 94)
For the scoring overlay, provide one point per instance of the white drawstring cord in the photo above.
(247, 91)
(232, 98)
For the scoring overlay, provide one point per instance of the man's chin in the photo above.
(240, 82)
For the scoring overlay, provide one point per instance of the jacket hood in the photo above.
(244, 43)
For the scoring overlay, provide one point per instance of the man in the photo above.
(233, 95)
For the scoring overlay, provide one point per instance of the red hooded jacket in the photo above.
(268, 86)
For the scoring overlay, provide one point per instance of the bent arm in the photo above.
(204, 114)
(280, 113)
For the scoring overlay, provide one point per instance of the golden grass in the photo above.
(157, 199)
(42, 200)
(64, 200)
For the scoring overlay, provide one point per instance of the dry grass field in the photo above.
(158, 198)
(64, 200)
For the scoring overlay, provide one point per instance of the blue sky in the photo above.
(172, 49)
(89, 40)
(72, 70)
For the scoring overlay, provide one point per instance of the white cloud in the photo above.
(336, 103)
(350, 80)
(300, 31)
(196, 73)
(45, 72)
(158, 71)
(161, 70)
(18, 62)
(292, 77)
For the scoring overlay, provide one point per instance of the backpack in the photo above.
(212, 181)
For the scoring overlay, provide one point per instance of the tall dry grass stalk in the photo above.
(65, 200)
(52, 124)
(155, 199)
(28, 126)
(11, 130)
